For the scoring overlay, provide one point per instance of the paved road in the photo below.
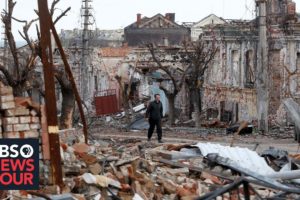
(250, 142)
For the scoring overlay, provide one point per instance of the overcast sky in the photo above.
(113, 14)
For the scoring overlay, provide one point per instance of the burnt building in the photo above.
(159, 29)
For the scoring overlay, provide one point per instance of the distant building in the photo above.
(159, 29)
(197, 28)
(103, 38)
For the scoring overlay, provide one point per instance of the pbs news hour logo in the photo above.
(19, 164)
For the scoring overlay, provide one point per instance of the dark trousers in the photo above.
(154, 123)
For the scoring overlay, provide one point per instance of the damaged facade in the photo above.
(230, 85)
(230, 89)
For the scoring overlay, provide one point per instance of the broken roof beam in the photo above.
(272, 183)
(227, 189)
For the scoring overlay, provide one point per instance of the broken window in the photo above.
(298, 72)
(225, 115)
(235, 63)
(215, 74)
(212, 113)
(250, 78)
(236, 112)
(224, 61)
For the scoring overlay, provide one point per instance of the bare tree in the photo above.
(19, 75)
(68, 99)
(200, 55)
(172, 74)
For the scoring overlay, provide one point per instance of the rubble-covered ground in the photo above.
(189, 165)
(276, 138)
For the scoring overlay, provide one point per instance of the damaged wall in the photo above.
(241, 102)
(22, 118)
(232, 75)
(228, 86)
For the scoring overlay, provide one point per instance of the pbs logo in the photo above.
(26, 151)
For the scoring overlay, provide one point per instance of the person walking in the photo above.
(155, 113)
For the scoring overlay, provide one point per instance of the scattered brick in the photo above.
(25, 119)
(19, 111)
(6, 98)
(11, 135)
(7, 105)
(21, 127)
(35, 120)
(31, 134)
(35, 126)
(10, 120)
(6, 90)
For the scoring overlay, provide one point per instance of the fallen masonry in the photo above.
(135, 169)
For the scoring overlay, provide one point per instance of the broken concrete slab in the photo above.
(100, 180)
(175, 155)
(140, 123)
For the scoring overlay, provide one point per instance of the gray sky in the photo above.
(113, 14)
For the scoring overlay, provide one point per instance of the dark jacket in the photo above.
(155, 110)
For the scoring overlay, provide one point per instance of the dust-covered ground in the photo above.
(278, 139)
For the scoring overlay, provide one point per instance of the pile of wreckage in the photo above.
(134, 120)
(139, 170)
(131, 119)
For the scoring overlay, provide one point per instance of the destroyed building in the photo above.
(158, 29)
(230, 90)
(111, 59)
(231, 83)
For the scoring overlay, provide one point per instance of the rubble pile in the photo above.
(134, 169)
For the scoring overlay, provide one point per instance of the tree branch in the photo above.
(9, 78)
(52, 9)
(165, 90)
(160, 66)
(7, 20)
(62, 15)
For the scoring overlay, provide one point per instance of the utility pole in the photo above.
(85, 65)
(50, 98)
(262, 68)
